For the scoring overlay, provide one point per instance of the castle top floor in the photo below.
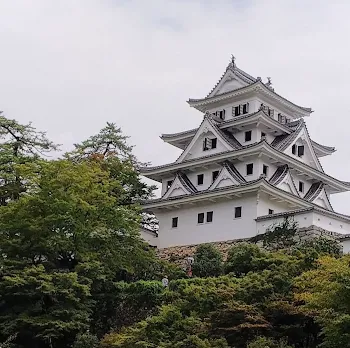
(238, 93)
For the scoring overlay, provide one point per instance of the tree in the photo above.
(325, 292)
(86, 340)
(21, 146)
(267, 342)
(279, 236)
(207, 261)
(71, 225)
(109, 147)
(43, 309)
(241, 258)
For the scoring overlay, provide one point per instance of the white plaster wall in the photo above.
(149, 238)
(265, 203)
(257, 168)
(328, 223)
(224, 226)
(303, 220)
(331, 223)
(346, 246)
(256, 136)
(208, 175)
(307, 183)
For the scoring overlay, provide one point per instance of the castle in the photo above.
(249, 164)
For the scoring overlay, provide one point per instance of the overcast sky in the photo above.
(72, 65)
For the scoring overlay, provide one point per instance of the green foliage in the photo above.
(39, 306)
(86, 340)
(21, 146)
(279, 236)
(242, 258)
(325, 291)
(123, 304)
(266, 342)
(207, 261)
(68, 234)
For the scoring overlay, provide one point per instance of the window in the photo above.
(263, 134)
(205, 144)
(250, 169)
(238, 212)
(294, 149)
(300, 150)
(270, 211)
(169, 183)
(271, 112)
(221, 114)
(174, 222)
(209, 143)
(301, 186)
(215, 175)
(280, 118)
(245, 108)
(200, 179)
(237, 110)
(265, 169)
(248, 136)
(200, 218)
(209, 216)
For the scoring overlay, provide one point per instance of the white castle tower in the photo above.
(249, 164)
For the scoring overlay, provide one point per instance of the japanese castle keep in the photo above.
(250, 163)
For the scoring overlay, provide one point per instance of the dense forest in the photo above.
(75, 273)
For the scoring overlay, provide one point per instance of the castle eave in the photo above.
(280, 158)
(258, 87)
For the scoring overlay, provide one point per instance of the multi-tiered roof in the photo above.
(275, 145)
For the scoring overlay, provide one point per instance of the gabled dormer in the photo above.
(318, 195)
(228, 176)
(180, 186)
(209, 140)
(299, 145)
(283, 180)
(232, 79)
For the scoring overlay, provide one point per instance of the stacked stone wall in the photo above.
(178, 254)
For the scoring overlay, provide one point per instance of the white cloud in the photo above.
(71, 65)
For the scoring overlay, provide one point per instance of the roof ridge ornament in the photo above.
(232, 64)
(268, 84)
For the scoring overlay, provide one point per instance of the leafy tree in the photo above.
(279, 236)
(109, 147)
(166, 330)
(267, 342)
(72, 224)
(325, 290)
(86, 340)
(21, 146)
(241, 258)
(43, 309)
(207, 261)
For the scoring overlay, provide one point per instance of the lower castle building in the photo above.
(248, 165)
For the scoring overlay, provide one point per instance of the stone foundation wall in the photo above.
(178, 254)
